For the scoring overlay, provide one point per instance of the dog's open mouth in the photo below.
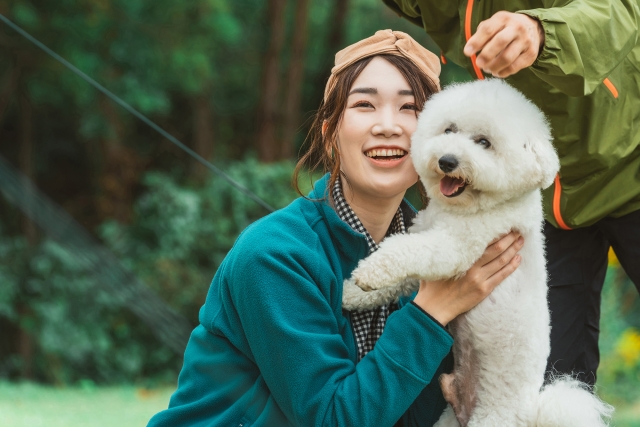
(452, 186)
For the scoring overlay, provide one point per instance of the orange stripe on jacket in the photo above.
(557, 191)
(611, 87)
(467, 34)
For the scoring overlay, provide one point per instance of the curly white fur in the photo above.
(501, 346)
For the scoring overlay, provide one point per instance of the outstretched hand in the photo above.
(507, 42)
(446, 299)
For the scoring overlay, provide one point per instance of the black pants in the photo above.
(577, 263)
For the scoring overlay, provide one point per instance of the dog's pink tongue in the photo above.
(449, 185)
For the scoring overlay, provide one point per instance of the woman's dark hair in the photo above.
(323, 149)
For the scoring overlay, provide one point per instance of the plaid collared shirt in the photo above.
(367, 324)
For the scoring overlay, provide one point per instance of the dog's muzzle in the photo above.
(450, 186)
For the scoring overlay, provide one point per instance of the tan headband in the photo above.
(386, 42)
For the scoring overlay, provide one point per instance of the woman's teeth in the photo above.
(385, 153)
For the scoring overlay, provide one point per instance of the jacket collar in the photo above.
(351, 244)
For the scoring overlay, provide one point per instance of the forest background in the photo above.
(237, 82)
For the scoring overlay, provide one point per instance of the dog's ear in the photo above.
(546, 157)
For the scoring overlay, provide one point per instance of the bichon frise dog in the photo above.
(483, 152)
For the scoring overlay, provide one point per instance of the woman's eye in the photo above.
(484, 142)
(413, 107)
(363, 104)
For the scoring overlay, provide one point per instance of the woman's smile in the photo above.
(386, 157)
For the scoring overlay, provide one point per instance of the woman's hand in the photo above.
(446, 299)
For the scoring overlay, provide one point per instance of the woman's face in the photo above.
(374, 135)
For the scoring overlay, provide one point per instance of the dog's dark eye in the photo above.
(484, 142)
(448, 131)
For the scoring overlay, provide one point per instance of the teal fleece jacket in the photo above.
(274, 347)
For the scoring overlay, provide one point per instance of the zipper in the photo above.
(467, 34)
(557, 192)
(611, 87)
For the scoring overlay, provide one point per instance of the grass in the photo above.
(627, 416)
(31, 405)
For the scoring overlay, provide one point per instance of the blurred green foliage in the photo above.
(619, 373)
(180, 234)
(177, 238)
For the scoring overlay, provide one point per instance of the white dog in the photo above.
(483, 152)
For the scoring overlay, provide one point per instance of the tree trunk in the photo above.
(295, 80)
(268, 114)
(11, 81)
(203, 142)
(336, 37)
(25, 340)
(335, 42)
(120, 169)
(26, 159)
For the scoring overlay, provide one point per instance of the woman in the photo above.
(274, 347)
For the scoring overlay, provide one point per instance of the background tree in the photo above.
(295, 74)
(269, 109)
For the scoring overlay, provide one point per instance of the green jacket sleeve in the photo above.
(406, 9)
(436, 17)
(584, 41)
(281, 296)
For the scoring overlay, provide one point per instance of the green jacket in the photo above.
(586, 80)
(274, 347)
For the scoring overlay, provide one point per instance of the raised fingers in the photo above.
(524, 60)
(506, 43)
(485, 32)
(498, 49)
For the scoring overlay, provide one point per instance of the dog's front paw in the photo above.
(354, 298)
(373, 274)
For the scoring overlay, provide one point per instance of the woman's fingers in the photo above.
(503, 258)
(446, 299)
(497, 248)
(503, 273)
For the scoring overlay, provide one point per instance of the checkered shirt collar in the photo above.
(347, 215)
(367, 324)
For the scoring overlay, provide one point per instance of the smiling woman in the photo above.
(363, 129)
(413, 85)
(275, 346)
(373, 141)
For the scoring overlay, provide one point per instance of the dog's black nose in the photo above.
(448, 163)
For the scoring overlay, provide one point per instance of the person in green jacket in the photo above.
(274, 346)
(579, 61)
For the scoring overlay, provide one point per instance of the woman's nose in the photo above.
(387, 124)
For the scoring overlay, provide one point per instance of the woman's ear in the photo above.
(328, 147)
